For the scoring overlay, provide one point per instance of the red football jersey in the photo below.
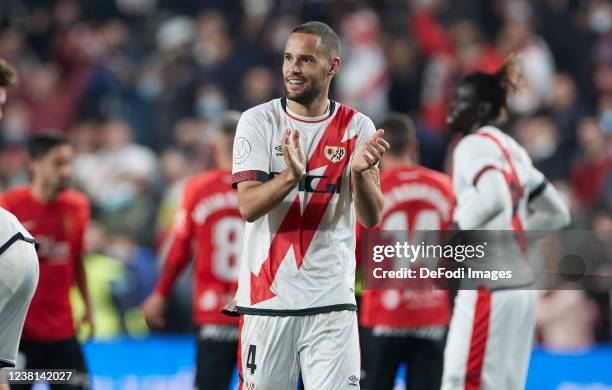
(58, 228)
(416, 198)
(208, 221)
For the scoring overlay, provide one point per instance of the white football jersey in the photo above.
(300, 257)
(11, 270)
(490, 148)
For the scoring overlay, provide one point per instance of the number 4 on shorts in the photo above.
(250, 363)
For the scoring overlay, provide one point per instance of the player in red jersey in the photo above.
(209, 219)
(407, 325)
(57, 218)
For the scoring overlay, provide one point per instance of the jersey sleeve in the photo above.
(446, 185)
(182, 225)
(535, 184)
(472, 157)
(83, 218)
(365, 128)
(177, 255)
(251, 153)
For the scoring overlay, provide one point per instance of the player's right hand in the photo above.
(293, 154)
(153, 309)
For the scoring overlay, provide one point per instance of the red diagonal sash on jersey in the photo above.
(297, 230)
(516, 190)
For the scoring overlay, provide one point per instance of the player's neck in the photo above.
(42, 193)
(315, 108)
(392, 162)
(484, 123)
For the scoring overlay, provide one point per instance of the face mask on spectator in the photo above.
(257, 8)
(210, 105)
(542, 147)
(605, 121)
(600, 20)
(149, 87)
(14, 130)
(121, 195)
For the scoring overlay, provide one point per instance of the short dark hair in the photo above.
(8, 74)
(41, 144)
(400, 132)
(329, 39)
(226, 123)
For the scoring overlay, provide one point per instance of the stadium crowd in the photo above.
(134, 83)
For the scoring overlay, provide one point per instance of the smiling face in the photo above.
(307, 68)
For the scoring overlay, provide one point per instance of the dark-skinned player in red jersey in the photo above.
(407, 325)
(209, 222)
(57, 217)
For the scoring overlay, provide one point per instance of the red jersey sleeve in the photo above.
(5, 202)
(83, 218)
(178, 253)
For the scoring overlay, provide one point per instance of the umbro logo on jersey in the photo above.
(279, 150)
(353, 380)
(334, 153)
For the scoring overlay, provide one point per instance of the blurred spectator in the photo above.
(138, 280)
(210, 100)
(600, 16)
(593, 165)
(458, 51)
(174, 167)
(566, 107)
(53, 95)
(258, 86)
(190, 136)
(361, 50)
(566, 320)
(404, 75)
(14, 160)
(541, 138)
(537, 63)
(16, 124)
(603, 63)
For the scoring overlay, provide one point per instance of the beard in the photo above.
(310, 92)
(62, 185)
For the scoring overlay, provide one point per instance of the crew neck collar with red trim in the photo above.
(309, 119)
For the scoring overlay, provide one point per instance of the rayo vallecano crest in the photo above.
(334, 153)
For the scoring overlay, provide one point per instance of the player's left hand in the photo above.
(369, 153)
(153, 310)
